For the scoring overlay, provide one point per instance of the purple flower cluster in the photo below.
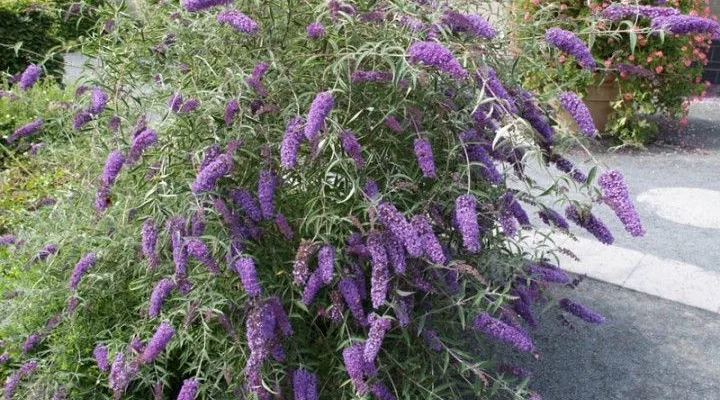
(231, 109)
(245, 268)
(548, 273)
(315, 30)
(380, 275)
(501, 331)
(140, 143)
(361, 75)
(284, 226)
(568, 167)
(304, 385)
(98, 101)
(616, 12)
(189, 105)
(431, 245)
(188, 390)
(199, 250)
(395, 252)
(81, 118)
(552, 217)
(255, 79)
(593, 225)
(579, 112)
(684, 24)
(378, 327)
(120, 374)
(571, 44)
(392, 122)
(241, 22)
(101, 357)
(87, 261)
(424, 155)
(357, 368)
(436, 55)
(319, 110)
(581, 311)
(473, 24)
(495, 88)
(353, 298)
(245, 200)
(352, 147)
(148, 241)
(300, 265)
(290, 145)
(617, 197)
(208, 176)
(536, 117)
(175, 102)
(29, 77)
(199, 5)
(635, 70)
(158, 342)
(467, 223)
(266, 193)
(31, 341)
(46, 251)
(113, 164)
(26, 130)
(395, 221)
(161, 291)
(14, 379)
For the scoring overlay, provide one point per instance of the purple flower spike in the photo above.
(158, 342)
(473, 24)
(26, 130)
(81, 118)
(208, 176)
(315, 30)
(199, 5)
(548, 273)
(29, 77)
(241, 22)
(395, 252)
(305, 385)
(685, 24)
(393, 220)
(617, 197)
(579, 113)
(424, 155)
(101, 357)
(314, 283)
(616, 12)
(157, 298)
(380, 277)
(140, 143)
(326, 263)
(231, 109)
(378, 327)
(175, 102)
(393, 123)
(283, 322)
(189, 105)
(355, 365)
(591, 224)
(581, 311)
(266, 193)
(255, 79)
(436, 55)
(552, 217)
(292, 138)
(199, 250)
(349, 290)
(571, 44)
(352, 147)
(98, 101)
(284, 226)
(114, 163)
(501, 331)
(245, 200)
(495, 88)
(32, 340)
(381, 392)
(188, 390)
(148, 241)
(568, 167)
(360, 75)
(245, 268)
(431, 245)
(467, 223)
(318, 112)
(87, 261)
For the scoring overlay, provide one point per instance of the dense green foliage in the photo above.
(166, 50)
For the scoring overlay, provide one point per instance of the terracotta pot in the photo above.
(598, 99)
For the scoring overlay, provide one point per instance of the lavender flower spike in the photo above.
(199, 250)
(32, 340)
(352, 147)
(304, 385)
(617, 197)
(378, 327)
(245, 268)
(581, 311)
(353, 299)
(579, 112)
(157, 298)
(245, 200)
(199, 5)
(114, 163)
(140, 143)
(148, 241)
(26, 130)
(175, 102)
(503, 332)
(266, 193)
(436, 55)
(379, 279)
(393, 220)
(318, 112)
(315, 30)
(467, 223)
(159, 341)
(255, 79)
(241, 22)
(685, 24)
(188, 390)
(424, 155)
(101, 357)
(431, 245)
(292, 138)
(355, 365)
(208, 176)
(81, 118)
(326, 263)
(29, 77)
(591, 224)
(87, 261)
(231, 109)
(98, 101)
(571, 44)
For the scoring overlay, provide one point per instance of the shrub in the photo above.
(651, 72)
(278, 207)
(33, 25)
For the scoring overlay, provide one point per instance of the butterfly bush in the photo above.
(297, 218)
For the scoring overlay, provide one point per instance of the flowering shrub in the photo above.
(298, 201)
(650, 53)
